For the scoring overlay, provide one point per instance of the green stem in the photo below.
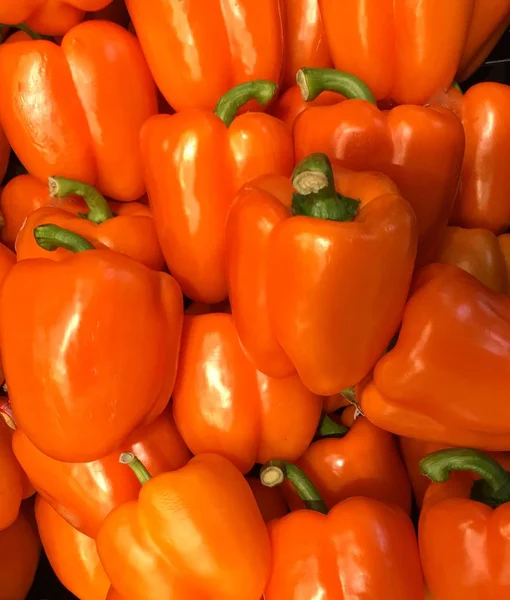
(229, 104)
(22, 27)
(136, 465)
(99, 211)
(495, 488)
(313, 81)
(315, 194)
(457, 87)
(328, 428)
(274, 473)
(50, 237)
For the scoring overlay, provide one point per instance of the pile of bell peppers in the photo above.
(254, 299)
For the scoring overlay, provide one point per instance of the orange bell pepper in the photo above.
(450, 354)
(7, 261)
(99, 353)
(504, 245)
(11, 482)
(194, 533)
(199, 160)
(488, 23)
(305, 40)
(5, 151)
(362, 549)
(85, 493)
(49, 17)
(463, 527)
(256, 417)
(291, 104)
(82, 107)
(125, 227)
(19, 555)
(362, 460)
(231, 44)
(402, 143)
(270, 501)
(72, 555)
(406, 50)
(484, 195)
(478, 252)
(321, 323)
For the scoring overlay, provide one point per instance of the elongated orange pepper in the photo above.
(231, 44)
(199, 160)
(402, 143)
(406, 50)
(362, 549)
(429, 386)
(172, 532)
(256, 417)
(72, 555)
(352, 240)
(82, 107)
(125, 227)
(49, 17)
(5, 150)
(100, 357)
(7, 261)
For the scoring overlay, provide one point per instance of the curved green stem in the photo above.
(50, 237)
(136, 465)
(496, 481)
(313, 81)
(229, 104)
(328, 428)
(22, 27)
(274, 473)
(315, 194)
(99, 211)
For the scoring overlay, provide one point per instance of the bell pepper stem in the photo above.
(315, 194)
(22, 27)
(99, 211)
(328, 428)
(274, 473)
(50, 237)
(313, 81)
(457, 86)
(7, 414)
(496, 481)
(136, 465)
(229, 104)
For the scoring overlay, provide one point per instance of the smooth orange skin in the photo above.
(85, 493)
(463, 543)
(504, 246)
(406, 50)
(222, 404)
(478, 252)
(130, 232)
(489, 21)
(231, 43)
(361, 549)
(19, 555)
(270, 501)
(73, 556)
(448, 356)
(99, 353)
(11, 482)
(484, 195)
(305, 40)
(291, 104)
(5, 152)
(403, 144)
(365, 462)
(193, 167)
(172, 533)
(76, 110)
(7, 261)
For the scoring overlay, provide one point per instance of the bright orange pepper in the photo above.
(5, 151)
(214, 46)
(85, 493)
(478, 252)
(504, 245)
(322, 322)
(199, 160)
(450, 355)
(99, 354)
(270, 501)
(7, 261)
(82, 107)
(406, 50)
(11, 482)
(19, 555)
(125, 227)
(463, 527)
(402, 143)
(305, 40)
(201, 515)
(256, 417)
(291, 104)
(72, 555)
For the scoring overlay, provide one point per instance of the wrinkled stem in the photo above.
(99, 211)
(313, 81)
(50, 237)
(229, 104)
(136, 465)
